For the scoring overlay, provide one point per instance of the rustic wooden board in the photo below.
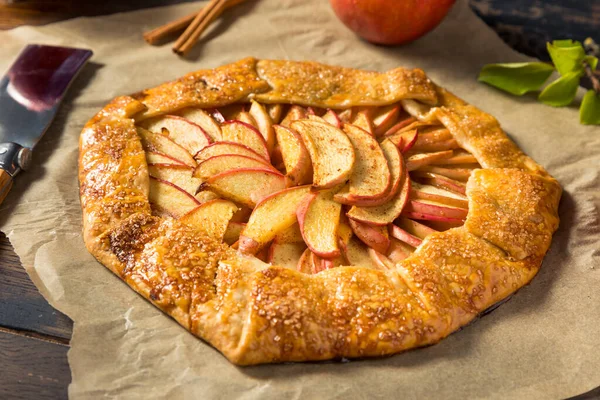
(22, 307)
(32, 368)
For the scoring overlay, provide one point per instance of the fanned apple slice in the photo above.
(346, 115)
(206, 195)
(222, 148)
(263, 123)
(435, 141)
(247, 118)
(357, 255)
(363, 120)
(404, 140)
(246, 186)
(227, 162)
(158, 158)
(370, 178)
(319, 219)
(406, 237)
(275, 111)
(429, 192)
(330, 150)
(385, 118)
(458, 157)
(459, 174)
(440, 181)
(285, 254)
(245, 134)
(185, 133)
(398, 251)
(380, 261)
(290, 235)
(211, 218)
(305, 262)
(376, 237)
(415, 228)
(170, 199)
(385, 213)
(332, 118)
(398, 126)
(271, 216)
(179, 175)
(294, 113)
(203, 120)
(296, 158)
(433, 208)
(158, 143)
(419, 160)
(233, 231)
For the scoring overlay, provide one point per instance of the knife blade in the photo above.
(30, 95)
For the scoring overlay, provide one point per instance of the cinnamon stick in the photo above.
(204, 18)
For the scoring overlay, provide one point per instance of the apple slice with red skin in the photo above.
(319, 219)
(404, 140)
(398, 126)
(376, 237)
(419, 160)
(294, 113)
(330, 150)
(227, 162)
(332, 118)
(385, 118)
(433, 217)
(179, 175)
(346, 115)
(285, 254)
(434, 193)
(246, 186)
(296, 158)
(459, 174)
(449, 144)
(222, 148)
(182, 131)
(459, 157)
(401, 234)
(398, 251)
(415, 228)
(385, 213)
(370, 178)
(356, 254)
(380, 261)
(362, 119)
(443, 182)
(305, 262)
(275, 111)
(170, 199)
(263, 123)
(290, 235)
(155, 142)
(271, 216)
(245, 134)
(233, 231)
(158, 158)
(211, 218)
(429, 207)
(203, 120)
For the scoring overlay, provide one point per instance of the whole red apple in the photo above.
(391, 21)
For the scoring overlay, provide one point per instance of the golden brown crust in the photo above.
(256, 313)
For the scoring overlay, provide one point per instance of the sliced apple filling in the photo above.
(306, 188)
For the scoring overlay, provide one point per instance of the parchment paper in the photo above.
(543, 343)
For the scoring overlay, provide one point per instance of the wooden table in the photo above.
(34, 338)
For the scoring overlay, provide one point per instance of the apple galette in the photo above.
(292, 211)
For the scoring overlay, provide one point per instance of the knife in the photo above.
(30, 94)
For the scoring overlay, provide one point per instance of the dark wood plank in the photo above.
(22, 307)
(32, 368)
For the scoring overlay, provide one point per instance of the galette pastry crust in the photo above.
(257, 313)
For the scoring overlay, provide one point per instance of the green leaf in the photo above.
(566, 55)
(562, 91)
(516, 78)
(589, 113)
(591, 61)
